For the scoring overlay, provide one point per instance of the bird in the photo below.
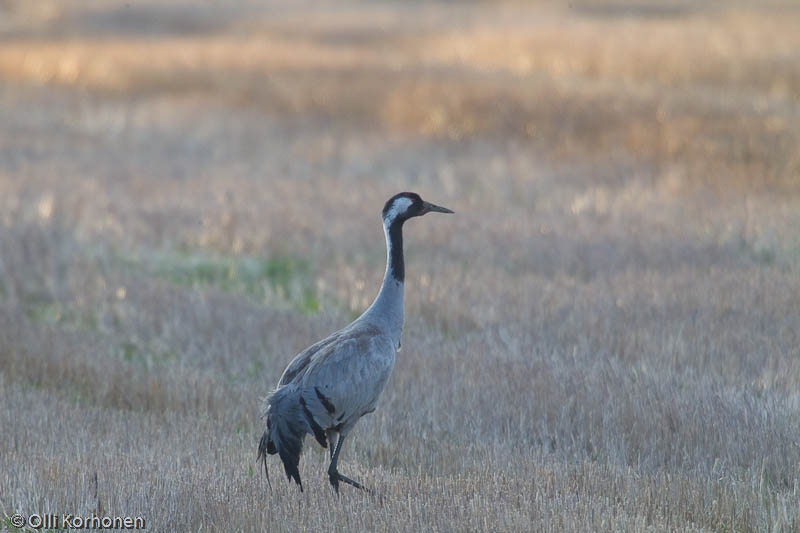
(330, 385)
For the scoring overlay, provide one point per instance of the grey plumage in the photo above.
(330, 385)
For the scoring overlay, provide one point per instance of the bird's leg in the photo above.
(333, 439)
(333, 474)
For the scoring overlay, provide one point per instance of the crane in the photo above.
(330, 385)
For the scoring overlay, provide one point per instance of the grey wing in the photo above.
(301, 361)
(344, 380)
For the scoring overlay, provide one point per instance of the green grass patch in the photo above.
(42, 309)
(277, 279)
(146, 354)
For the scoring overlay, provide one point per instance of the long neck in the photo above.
(395, 266)
(387, 309)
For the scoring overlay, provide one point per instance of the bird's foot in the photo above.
(335, 477)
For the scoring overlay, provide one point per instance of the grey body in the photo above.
(330, 385)
(341, 377)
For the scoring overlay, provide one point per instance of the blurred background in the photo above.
(190, 193)
(646, 108)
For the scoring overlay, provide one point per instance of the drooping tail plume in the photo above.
(265, 447)
(286, 429)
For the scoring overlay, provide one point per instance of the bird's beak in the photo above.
(428, 207)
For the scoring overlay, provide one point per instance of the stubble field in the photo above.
(606, 336)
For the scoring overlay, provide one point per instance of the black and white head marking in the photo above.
(401, 207)
(397, 210)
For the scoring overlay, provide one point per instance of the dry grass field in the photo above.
(605, 337)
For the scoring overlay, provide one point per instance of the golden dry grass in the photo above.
(605, 337)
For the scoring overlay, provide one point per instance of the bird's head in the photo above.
(406, 205)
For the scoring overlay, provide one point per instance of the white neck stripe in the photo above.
(398, 207)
